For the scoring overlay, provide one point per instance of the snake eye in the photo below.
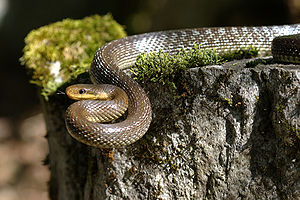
(82, 91)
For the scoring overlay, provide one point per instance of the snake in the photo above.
(93, 118)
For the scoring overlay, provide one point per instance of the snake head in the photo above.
(87, 92)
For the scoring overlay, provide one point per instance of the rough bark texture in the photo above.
(231, 136)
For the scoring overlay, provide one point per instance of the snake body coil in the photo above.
(110, 59)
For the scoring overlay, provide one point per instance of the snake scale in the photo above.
(84, 119)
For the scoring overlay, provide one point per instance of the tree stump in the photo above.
(232, 135)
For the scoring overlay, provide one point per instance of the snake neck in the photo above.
(103, 70)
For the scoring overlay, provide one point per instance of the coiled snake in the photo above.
(86, 120)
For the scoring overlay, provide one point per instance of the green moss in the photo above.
(254, 63)
(292, 130)
(229, 101)
(243, 53)
(279, 108)
(166, 68)
(256, 98)
(157, 152)
(58, 52)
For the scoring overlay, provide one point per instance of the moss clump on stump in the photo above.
(58, 52)
(166, 68)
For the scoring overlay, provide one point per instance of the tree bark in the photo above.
(231, 135)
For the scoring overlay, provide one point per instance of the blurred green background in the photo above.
(22, 147)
